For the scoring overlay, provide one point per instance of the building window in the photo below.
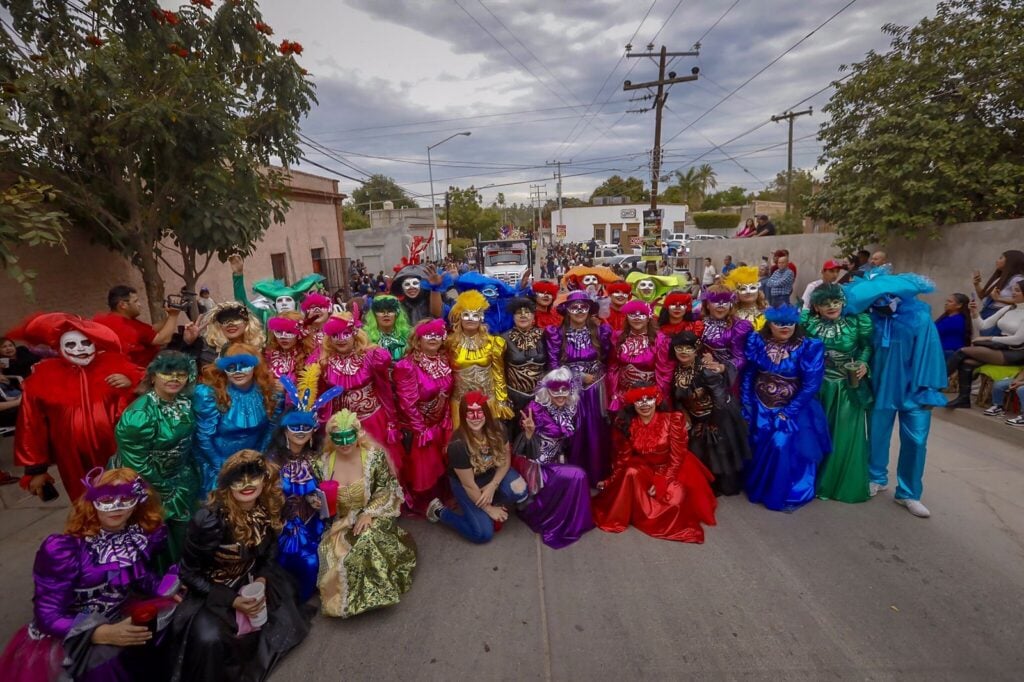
(599, 231)
(317, 255)
(278, 264)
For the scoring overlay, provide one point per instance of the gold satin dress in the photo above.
(478, 364)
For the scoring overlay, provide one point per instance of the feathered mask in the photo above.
(304, 397)
(315, 300)
(740, 276)
(783, 315)
(467, 300)
(635, 395)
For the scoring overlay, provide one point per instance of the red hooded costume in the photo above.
(616, 318)
(68, 411)
(550, 317)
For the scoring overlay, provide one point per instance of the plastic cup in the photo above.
(851, 373)
(255, 590)
(330, 488)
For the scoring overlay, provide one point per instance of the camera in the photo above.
(181, 301)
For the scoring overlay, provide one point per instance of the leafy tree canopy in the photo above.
(468, 219)
(616, 186)
(380, 188)
(354, 218)
(691, 187)
(734, 196)
(932, 131)
(803, 185)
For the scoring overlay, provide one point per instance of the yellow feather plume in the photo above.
(744, 275)
(309, 380)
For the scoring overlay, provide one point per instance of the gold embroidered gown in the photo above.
(373, 569)
(478, 364)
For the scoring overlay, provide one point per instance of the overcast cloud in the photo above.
(390, 73)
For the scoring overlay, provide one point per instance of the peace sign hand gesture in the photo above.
(529, 427)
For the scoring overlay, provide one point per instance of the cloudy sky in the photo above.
(538, 81)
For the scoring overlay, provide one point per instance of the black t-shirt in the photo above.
(768, 228)
(458, 458)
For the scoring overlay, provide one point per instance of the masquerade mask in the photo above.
(246, 482)
(835, 304)
(232, 314)
(620, 297)
(559, 392)
(475, 413)
(645, 402)
(113, 497)
(411, 286)
(343, 437)
(524, 312)
(77, 348)
(783, 316)
(285, 336)
(748, 288)
(543, 297)
(678, 307)
(638, 316)
(645, 286)
(433, 336)
(300, 428)
(591, 281)
(472, 316)
(686, 350)
(247, 475)
(344, 335)
(578, 309)
(489, 291)
(237, 364)
(284, 304)
(180, 377)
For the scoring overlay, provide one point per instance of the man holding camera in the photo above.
(139, 341)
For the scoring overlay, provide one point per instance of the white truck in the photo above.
(506, 260)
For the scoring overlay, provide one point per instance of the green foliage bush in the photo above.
(710, 220)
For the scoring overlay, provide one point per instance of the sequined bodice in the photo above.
(351, 497)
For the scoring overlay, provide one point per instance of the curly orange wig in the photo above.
(262, 376)
(271, 499)
(83, 520)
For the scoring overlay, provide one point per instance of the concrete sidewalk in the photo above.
(858, 592)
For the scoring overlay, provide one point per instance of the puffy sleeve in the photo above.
(663, 368)
(380, 371)
(56, 572)
(553, 340)
(604, 335)
(134, 432)
(864, 330)
(385, 498)
(929, 367)
(208, 416)
(811, 370)
(678, 451)
(32, 435)
(741, 332)
(408, 393)
(754, 348)
(500, 409)
(202, 539)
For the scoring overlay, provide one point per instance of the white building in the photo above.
(615, 224)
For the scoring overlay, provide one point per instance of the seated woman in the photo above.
(657, 484)
(954, 324)
(366, 558)
(154, 437)
(480, 474)
(221, 631)
(999, 389)
(788, 430)
(1006, 349)
(996, 293)
(560, 508)
(82, 626)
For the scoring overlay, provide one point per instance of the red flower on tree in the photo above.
(264, 28)
(289, 47)
(208, 4)
(171, 18)
(94, 40)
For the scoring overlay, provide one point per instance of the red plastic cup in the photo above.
(330, 488)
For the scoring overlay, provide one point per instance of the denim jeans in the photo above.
(473, 523)
(999, 389)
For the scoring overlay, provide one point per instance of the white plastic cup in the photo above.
(256, 590)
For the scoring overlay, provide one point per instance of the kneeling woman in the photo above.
(480, 474)
(366, 558)
(560, 509)
(656, 484)
(83, 580)
(225, 629)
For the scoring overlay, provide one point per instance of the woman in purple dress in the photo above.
(83, 622)
(582, 343)
(560, 508)
(725, 334)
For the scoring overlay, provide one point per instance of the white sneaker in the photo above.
(875, 488)
(434, 510)
(1016, 421)
(915, 507)
(994, 411)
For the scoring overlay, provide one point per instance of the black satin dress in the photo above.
(526, 356)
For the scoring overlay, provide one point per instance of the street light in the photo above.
(433, 206)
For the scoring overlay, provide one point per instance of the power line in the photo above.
(717, 21)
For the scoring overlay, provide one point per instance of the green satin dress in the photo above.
(154, 437)
(843, 475)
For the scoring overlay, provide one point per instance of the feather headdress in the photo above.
(303, 397)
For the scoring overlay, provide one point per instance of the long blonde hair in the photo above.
(214, 335)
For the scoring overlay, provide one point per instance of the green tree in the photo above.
(28, 217)
(354, 218)
(467, 218)
(932, 131)
(691, 187)
(617, 186)
(156, 129)
(803, 186)
(380, 188)
(734, 196)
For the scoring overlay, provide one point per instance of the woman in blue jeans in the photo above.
(999, 389)
(480, 473)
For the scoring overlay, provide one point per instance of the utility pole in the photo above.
(535, 194)
(659, 100)
(558, 185)
(790, 115)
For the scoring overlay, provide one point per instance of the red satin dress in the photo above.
(656, 455)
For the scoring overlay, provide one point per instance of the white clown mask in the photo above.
(284, 304)
(645, 288)
(591, 283)
(77, 348)
(411, 287)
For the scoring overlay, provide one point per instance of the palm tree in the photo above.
(690, 188)
(706, 176)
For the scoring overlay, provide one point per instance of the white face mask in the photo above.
(77, 348)
(590, 282)
(284, 304)
(645, 287)
(411, 287)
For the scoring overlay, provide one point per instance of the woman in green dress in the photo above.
(366, 559)
(154, 437)
(845, 393)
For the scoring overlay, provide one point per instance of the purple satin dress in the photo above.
(560, 510)
(81, 583)
(727, 342)
(588, 447)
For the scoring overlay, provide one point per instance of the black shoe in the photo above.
(959, 401)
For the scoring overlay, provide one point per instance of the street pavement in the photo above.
(833, 591)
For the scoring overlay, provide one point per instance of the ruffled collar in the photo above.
(122, 547)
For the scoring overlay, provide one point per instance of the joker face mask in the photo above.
(411, 287)
(645, 288)
(284, 304)
(591, 283)
(77, 348)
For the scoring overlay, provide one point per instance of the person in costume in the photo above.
(387, 325)
(236, 407)
(788, 430)
(423, 384)
(295, 450)
(316, 309)
(559, 510)
(289, 345)
(477, 357)
(619, 294)
(725, 335)
(366, 558)
(526, 355)
(284, 297)
(651, 289)
(497, 293)
(583, 343)
(363, 370)
(419, 289)
(71, 403)
(545, 293)
(154, 437)
(907, 376)
(699, 388)
(634, 349)
(845, 392)
(220, 633)
(85, 579)
(228, 322)
(482, 479)
(750, 300)
(678, 314)
(593, 281)
(656, 485)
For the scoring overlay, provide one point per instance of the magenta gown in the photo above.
(284, 362)
(589, 445)
(366, 378)
(424, 384)
(560, 511)
(631, 364)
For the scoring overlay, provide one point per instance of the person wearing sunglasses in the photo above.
(477, 357)
(423, 384)
(82, 625)
(656, 484)
(240, 615)
(236, 408)
(788, 431)
(154, 437)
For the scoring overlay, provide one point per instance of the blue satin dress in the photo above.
(300, 536)
(788, 429)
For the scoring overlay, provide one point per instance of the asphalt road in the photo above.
(833, 591)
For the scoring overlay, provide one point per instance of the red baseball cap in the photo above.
(832, 264)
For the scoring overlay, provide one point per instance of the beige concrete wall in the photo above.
(380, 248)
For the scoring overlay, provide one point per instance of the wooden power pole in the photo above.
(790, 115)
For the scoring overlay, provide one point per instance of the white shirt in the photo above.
(810, 290)
(708, 278)
(1010, 322)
